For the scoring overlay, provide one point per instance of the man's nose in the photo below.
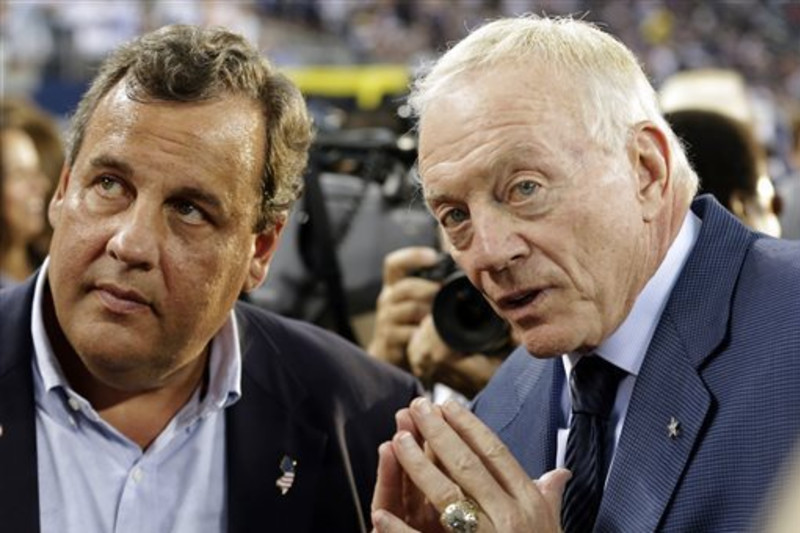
(496, 242)
(136, 237)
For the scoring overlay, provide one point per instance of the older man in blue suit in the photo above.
(661, 338)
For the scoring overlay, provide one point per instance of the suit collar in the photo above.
(263, 428)
(19, 492)
(648, 463)
(701, 301)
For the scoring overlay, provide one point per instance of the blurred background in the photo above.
(50, 48)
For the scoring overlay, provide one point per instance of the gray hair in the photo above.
(190, 64)
(616, 92)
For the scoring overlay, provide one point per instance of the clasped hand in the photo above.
(442, 455)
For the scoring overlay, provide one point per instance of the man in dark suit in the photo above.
(136, 394)
(658, 375)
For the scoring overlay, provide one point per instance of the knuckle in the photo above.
(463, 464)
(496, 450)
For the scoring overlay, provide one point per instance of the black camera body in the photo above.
(462, 316)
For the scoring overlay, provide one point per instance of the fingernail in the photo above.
(405, 439)
(423, 405)
(452, 407)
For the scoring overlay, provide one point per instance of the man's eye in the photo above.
(453, 217)
(189, 212)
(109, 186)
(525, 188)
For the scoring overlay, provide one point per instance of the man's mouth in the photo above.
(517, 299)
(121, 300)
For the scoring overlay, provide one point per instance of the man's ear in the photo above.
(57, 201)
(652, 162)
(266, 242)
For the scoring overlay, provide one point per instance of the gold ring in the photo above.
(460, 517)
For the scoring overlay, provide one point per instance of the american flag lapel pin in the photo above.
(285, 482)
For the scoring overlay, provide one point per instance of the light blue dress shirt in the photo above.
(627, 346)
(93, 479)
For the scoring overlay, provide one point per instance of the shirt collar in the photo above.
(627, 346)
(224, 366)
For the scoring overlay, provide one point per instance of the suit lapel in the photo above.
(649, 461)
(261, 430)
(19, 492)
(536, 386)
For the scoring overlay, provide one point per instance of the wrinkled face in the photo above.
(25, 187)
(154, 233)
(544, 221)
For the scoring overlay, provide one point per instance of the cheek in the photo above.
(209, 272)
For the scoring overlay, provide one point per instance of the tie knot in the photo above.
(593, 384)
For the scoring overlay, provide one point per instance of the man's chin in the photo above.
(544, 343)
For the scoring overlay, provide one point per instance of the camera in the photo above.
(462, 316)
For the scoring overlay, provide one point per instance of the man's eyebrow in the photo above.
(107, 161)
(199, 196)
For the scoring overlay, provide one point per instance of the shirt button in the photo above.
(137, 475)
(74, 404)
(72, 421)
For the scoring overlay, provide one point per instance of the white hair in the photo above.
(616, 93)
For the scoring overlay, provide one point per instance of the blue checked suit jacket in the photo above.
(305, 393)
(724, 361)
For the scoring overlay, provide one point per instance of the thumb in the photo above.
(551, 485)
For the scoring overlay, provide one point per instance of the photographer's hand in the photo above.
(427, 351)
(432, 360)
(403, 302)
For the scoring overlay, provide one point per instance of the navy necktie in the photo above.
(593, 386)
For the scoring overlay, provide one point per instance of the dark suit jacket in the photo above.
(724, 362)
(305, 393)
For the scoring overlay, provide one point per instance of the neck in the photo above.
(668, 225)
(140, 414)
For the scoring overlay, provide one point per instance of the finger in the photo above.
(388, 492)
(419, 467)
(406, 312)
(419, 359)
(420, 512)
(397, 334)
(404, 422)
(408, 289)
(462, 464)
(412, 497)
(399, 263)
(493, 453)
(551, 485)
(385, 522)
(542, 508)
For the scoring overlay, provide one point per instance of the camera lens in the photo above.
(465, 320)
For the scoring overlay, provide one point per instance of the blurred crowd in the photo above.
(52, 40)
(51, 47)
